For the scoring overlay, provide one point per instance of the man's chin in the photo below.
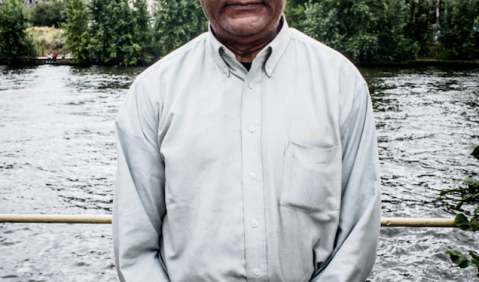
(245, 26)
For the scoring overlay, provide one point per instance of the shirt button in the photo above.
(251, 85)
(254, 224)
(252, 129)
(226, 70)
(256, 272)
(252, 175)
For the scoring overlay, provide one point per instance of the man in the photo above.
(229, 174)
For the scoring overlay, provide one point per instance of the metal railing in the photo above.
(106, 219)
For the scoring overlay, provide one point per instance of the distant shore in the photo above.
(416, 63)
(424, 62)
(59, 61)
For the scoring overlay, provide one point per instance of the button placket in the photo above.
(253, 194)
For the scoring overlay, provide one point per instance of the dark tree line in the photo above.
(124, 32)
(113, 32)
(390, 30)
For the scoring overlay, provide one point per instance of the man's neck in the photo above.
(246, 52)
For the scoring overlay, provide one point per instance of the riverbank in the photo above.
(424, 63)
(418, 63)
(69, 61)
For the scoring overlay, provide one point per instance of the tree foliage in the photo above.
(123, 31)
(418, 27)
(15, 42)
(363, 30)
(77, 36)
(144, 31)
(393, 44)
(48, 13)
(116, 33)
(294, 13)
(389, 30)
(177, 22)
(457, 37)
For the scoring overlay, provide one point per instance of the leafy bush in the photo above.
(77, 36)
(15, 42)
(363, 30)
(48, 14)
(468, 193)
(177, 22)
(457, 38)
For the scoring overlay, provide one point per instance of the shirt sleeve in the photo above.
(360, 215)
(139, 206)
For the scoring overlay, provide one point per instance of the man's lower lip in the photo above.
(244, 7)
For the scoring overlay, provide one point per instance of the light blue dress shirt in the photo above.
(230, 175)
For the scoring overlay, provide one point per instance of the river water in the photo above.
(58, 156)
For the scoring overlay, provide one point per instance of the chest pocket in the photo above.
(311, 178)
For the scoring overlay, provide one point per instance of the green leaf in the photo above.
(459, 259)
(475, 259)
(474, 255)
(467, 196)
(463, 223)
(470, 182)
(475, 152)
(475, 262)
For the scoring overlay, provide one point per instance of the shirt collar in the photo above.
(226, 60)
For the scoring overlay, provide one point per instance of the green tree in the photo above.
(48, 14)
(144, 31)
(363, 30)
(392, 43)
(457, 38)
(114, 33)
(177, 22)
(77, 35)
(418, 26)
(15, 42)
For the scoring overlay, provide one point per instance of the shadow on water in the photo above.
(57, 155)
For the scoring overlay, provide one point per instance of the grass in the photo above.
(49, 39)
